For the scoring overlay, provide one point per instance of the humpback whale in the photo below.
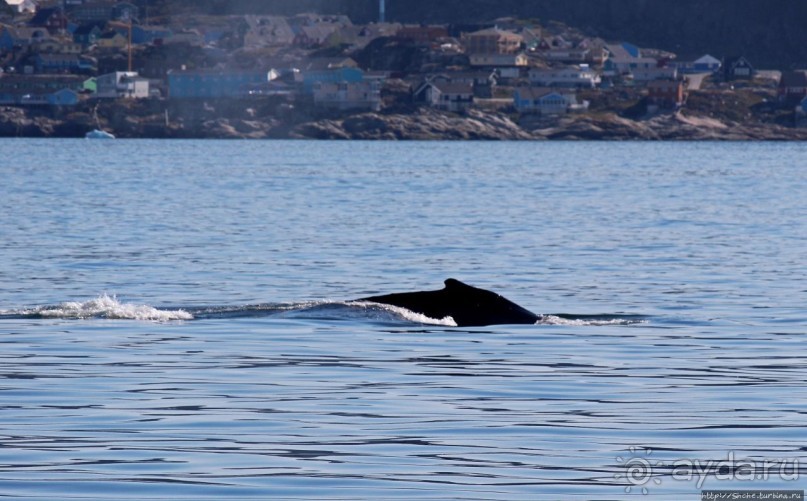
(468, 306)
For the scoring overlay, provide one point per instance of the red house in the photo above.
(793, 86)
(422, 34)
(669, 94)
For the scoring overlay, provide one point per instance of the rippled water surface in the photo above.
(175, 320)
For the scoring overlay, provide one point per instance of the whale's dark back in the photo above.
(467, 305)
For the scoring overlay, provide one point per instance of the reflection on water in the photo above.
(230, 366)
(344, 410)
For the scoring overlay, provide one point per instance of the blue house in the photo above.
(213, 36)
(87, 34)
(149, 34)
(6, 39)
(631, 49)
(55, 63)
(209, 84)
(543, 101)
(61, 97)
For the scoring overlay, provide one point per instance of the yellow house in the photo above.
(53, 46)
(492, 41)
(112, 40)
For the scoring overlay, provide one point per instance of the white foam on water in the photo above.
(578, 322)
(409, 314)
(106, 306)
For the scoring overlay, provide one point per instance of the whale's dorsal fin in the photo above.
(453, 283)
(466, 304)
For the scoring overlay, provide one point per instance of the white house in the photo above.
(654, 73)
(450, 96)
(704, 64)
(119, 84)
(578, 76)
(482, 81)
(707, 64)
(499, 60)
(566, 55)
(625, 59)
(23, 5)
(365, 94)
(545, 101)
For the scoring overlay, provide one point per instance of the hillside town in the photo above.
(71, 66)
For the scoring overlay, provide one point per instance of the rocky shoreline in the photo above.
(428, 124)
(154, 121)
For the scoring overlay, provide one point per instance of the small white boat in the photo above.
(99, 134)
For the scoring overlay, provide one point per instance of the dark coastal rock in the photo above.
(422, 124)
(666, 127)
(18, 122)
(125, 120)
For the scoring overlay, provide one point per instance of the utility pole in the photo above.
(381, 11)
(130, 44)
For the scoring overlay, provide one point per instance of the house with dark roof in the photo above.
(52, 18)
(738, 68)
(482, 82)
(793, 86)
(60, 63)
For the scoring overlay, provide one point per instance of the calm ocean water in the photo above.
(173, 324)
